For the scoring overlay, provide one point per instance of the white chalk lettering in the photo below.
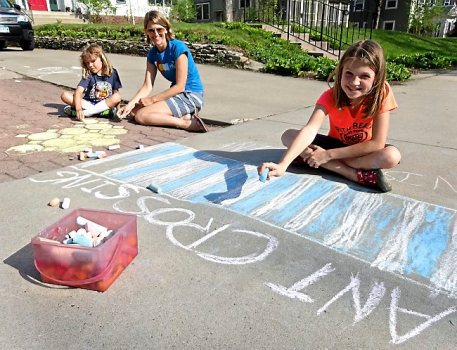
(446, 182)
(272, 242)
(105, 183)
(123, 192)
(394, 309)
(72, 174)
(293, 291)
(374, 298)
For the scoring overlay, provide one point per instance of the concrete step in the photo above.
(49, 17)
(313, 48)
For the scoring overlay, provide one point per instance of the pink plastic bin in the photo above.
(85, 267)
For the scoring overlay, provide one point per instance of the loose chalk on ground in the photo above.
(263, 176)
(91, 154)
(82, 156)
(154, 188)
(101, 154)
(65, 203)
(54, 202)
(113, 147)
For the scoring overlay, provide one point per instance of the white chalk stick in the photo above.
(91, 226)
(65, 203)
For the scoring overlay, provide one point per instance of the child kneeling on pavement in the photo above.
(98, 91)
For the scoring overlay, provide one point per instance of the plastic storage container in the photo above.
(86, 267)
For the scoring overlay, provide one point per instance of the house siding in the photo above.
(400, 14)
(216, 10)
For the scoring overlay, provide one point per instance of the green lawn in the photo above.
(399, 43)
(278, 56)
(236, 34)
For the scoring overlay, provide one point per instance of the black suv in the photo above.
(15, 27)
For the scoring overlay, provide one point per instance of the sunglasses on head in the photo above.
(158, 31)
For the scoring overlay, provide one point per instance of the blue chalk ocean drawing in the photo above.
(415, 239)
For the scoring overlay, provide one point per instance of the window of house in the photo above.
(391, 4)
(388, 25)
(245, 4)
(359, 5)
(203, 12)
(160, 2)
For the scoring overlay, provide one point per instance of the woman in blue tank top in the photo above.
(177, 106)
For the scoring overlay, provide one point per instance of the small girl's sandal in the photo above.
(373, 178)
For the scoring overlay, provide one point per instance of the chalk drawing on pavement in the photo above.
(390, 232)
(104, 188)
(45, 71)
(91, 132)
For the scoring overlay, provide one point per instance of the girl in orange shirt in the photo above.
(358, 107)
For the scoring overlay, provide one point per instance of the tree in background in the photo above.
(229, 10)
(378, 6)
(184, 11)
(94, 8)
(426, 17)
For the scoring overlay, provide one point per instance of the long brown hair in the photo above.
(90, 51)
(371, 54)
(158, 18)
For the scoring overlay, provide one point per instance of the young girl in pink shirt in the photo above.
(358, 107)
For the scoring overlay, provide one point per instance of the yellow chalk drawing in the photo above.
(113, 131)
(88, 133)
(28, 148)
(73, 131)
(43, 136)
(99, 126)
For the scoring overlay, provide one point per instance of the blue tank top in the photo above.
(165, 62)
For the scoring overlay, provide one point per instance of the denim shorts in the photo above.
(186, 102)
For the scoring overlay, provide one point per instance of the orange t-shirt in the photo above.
(352, 128)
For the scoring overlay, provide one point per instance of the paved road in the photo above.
(230, 263)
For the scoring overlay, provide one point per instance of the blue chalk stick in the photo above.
(83, 241)
(263, 176)
(154, 188)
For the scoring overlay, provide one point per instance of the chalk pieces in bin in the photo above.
(73, 265)
(154, 188)
(263, 176)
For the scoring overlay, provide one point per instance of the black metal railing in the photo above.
(331, 27)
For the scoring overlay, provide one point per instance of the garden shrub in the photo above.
(278, 56)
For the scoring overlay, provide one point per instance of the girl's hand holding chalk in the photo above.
(263, 176)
